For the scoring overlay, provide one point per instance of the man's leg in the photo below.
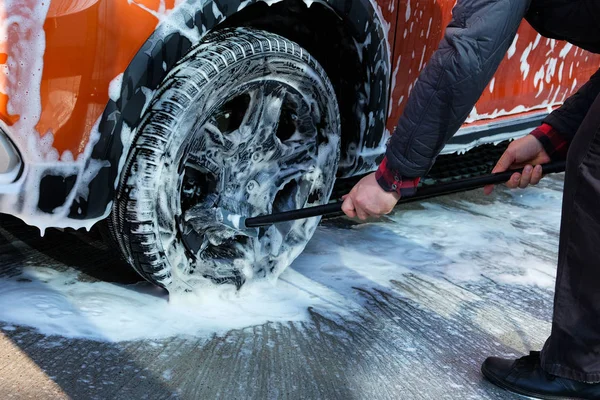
(570, 360)
(573, 349)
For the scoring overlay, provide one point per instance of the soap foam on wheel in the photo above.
(256, 134)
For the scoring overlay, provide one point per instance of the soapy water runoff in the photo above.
(509, 238)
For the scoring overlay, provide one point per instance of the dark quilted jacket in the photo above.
(476, 40)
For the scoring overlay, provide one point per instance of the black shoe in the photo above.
(525, 376)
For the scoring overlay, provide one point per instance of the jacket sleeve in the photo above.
(570, 115)
(553, 142)
(475, 42)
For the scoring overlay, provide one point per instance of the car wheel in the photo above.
(247, 122)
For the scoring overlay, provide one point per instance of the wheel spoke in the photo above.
(262, 115)
(286, 176)
(300, 155)
(214, 134)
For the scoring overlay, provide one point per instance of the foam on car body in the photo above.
(87, 201)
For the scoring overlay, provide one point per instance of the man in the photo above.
(475, 42)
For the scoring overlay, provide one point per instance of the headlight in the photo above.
(10, 161)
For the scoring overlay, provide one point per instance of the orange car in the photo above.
(148, 114)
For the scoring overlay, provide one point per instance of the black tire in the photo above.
(231, 69)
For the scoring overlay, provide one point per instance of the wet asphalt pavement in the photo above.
(420, 335)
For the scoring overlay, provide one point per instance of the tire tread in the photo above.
(138, 242)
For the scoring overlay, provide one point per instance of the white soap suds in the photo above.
(24, 24)
(560, 71)
(244, 4)
(114, 87)
(475, 116)
(216, 12)
(429, 27)
(162, 12)
(538, 78)
(513, 47)
(491, 139)
(393, 85)
(400, 100)
(235, 220)
(565, 50)
(571, 71)
(58, 304)
(422, 57)
(537, 40)
(524, 64)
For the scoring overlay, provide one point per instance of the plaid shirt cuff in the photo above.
(391, 181)
(555, 145)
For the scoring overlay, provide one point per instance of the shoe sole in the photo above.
(507, 386)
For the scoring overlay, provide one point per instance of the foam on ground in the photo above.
(464, 239)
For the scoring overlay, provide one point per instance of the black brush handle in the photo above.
(423, 193)
(293, 215)
(477, 182)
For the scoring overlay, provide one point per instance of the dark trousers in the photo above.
(573, 349)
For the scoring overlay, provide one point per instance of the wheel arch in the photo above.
(357, 57)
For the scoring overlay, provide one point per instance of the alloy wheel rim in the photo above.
(256, 154)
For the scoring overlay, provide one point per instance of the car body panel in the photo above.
(88, 44)
(536, 75)
(86, 47)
